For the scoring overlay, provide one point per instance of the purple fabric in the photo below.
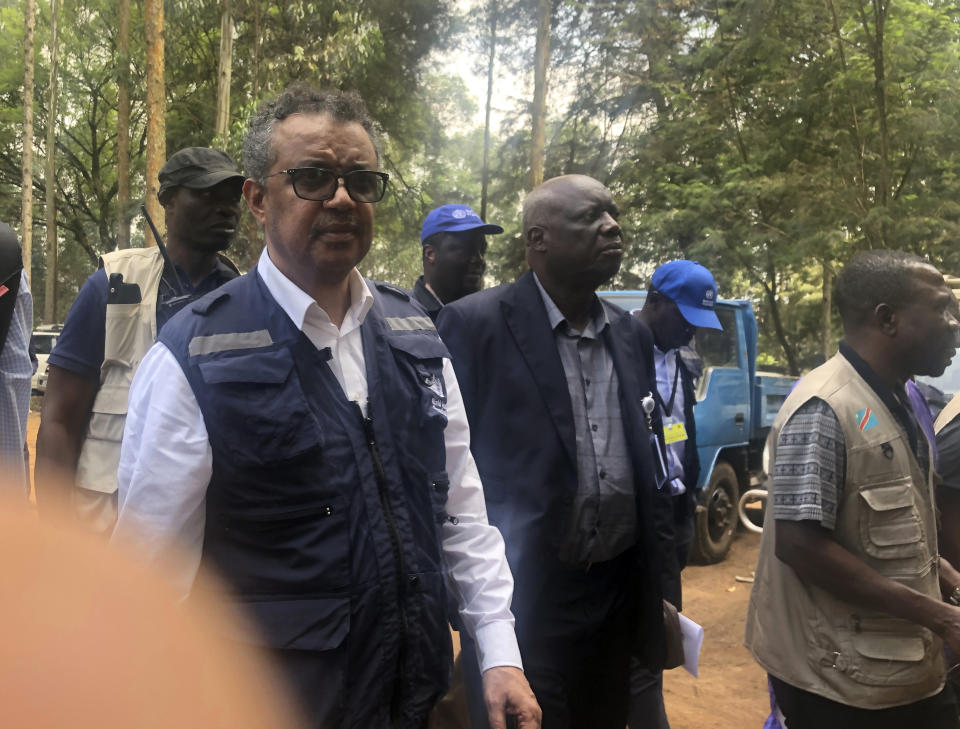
(920, 408)
(772, 722)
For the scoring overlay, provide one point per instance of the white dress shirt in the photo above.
(669, 384)
(166, 464)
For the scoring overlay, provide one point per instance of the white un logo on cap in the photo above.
(459, 213)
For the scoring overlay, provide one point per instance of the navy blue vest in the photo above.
(325, 522)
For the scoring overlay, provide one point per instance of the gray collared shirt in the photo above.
(603, 520)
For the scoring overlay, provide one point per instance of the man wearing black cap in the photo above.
(115, 320)
(681, 298)
(454, 242)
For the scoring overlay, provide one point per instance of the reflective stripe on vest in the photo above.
(213, 343)
(410, 323)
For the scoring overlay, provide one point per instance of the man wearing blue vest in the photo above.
(302, 431)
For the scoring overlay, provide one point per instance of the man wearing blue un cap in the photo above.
(681, 298)
(454, 245)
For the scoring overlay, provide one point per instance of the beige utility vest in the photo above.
(951, 411)
(131, 330)
(810, 639)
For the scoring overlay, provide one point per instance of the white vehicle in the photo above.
(44, 339)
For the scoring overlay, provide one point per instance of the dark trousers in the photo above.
(646, 687)
(804, 710)
(577, 656)
(646, 698)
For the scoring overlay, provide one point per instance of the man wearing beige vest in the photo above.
(115, 320)
(847, 613)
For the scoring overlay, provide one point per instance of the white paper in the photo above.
(692, 640)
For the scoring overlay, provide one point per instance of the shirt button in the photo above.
(594, 427)
(587, 382)
(603, 474)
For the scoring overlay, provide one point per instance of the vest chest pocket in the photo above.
(422, 355)
(890, 526)
(126, 335)
(257, 410)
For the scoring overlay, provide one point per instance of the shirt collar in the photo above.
(297, 303)
(556, 317)
(425, 295)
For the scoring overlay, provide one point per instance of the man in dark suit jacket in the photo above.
(554, 381)
(681, 298)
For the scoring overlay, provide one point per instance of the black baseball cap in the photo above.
(197, 168)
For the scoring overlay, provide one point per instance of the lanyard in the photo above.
(668, 409)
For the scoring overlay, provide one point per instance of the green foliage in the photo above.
(769, 140)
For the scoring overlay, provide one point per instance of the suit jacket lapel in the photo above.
(527, 320)
(627, 358)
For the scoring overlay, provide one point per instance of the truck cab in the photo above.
(735, 408)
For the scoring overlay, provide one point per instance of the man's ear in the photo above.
(254, 193)
(886, 319)
(535, 238)
(429, 254)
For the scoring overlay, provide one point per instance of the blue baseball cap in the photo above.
(452, 219)
(692, 288)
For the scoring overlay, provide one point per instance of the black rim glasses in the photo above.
(318, 184)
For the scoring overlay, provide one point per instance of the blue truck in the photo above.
(735, 408)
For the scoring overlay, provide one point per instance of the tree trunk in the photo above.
(26, 210)
(156, 111)
(827, 306)
(223, 78)
(541, 61)
(50, 175)
(255, 69)
(485, 174)
(123, 129)
(880, 92)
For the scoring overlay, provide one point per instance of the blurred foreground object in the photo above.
(94, 641)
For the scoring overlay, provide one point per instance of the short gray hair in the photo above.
(344, 106)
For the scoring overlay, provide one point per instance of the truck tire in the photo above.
(716, 519)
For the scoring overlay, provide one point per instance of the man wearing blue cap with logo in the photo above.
(454, 242)
(681, 298)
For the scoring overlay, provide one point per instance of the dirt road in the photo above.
(731, 690)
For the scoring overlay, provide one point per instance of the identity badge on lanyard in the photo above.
(674, 430)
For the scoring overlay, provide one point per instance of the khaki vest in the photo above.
(951, 411)
(805, 636)
(130, 331)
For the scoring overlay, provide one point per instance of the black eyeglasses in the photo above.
(318, 184)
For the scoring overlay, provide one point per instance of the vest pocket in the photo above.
(425, 357)
(439, 489)
(100, 455)
(309, 637)
(125, 333)
(262, 415)
(890, 526)
(432, 661)
(890, 652)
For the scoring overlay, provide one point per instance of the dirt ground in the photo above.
(731, 691)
